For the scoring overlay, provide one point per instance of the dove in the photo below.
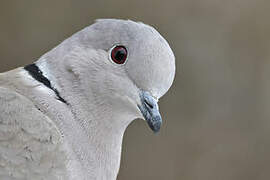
(63, 117)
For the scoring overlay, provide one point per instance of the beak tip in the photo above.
(155, 124)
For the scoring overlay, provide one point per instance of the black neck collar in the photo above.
(37, 74)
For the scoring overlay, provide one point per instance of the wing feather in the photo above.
(31, 147)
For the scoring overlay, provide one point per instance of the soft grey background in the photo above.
(217, 124)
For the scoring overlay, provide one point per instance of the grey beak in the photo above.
(150, 111)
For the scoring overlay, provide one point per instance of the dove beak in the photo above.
(150, 111)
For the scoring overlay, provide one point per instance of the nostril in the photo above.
(149, 104)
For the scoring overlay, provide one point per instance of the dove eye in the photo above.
(119, 54)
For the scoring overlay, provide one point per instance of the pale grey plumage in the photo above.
(30, 145)
(81, 139)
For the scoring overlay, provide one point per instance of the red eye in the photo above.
(119, 54)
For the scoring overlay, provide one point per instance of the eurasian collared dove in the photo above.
(64, 116)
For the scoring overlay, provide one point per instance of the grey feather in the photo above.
(79, 136)
(30, 145)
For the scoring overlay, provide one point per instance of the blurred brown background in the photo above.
(217, 124)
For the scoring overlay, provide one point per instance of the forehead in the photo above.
(107, 32)
(152, 64)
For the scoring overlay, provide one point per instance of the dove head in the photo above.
(127, 64)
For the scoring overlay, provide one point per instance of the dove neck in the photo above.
(99, 129)
(98, 147)
(94, 125)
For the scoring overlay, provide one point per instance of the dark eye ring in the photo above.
(119, 54)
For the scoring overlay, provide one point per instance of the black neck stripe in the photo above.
(37, 74)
